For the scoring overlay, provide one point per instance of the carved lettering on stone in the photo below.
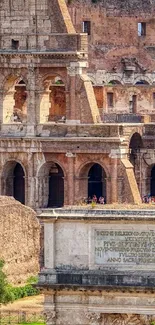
(125, 247)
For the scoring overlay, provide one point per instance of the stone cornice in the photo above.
(43, 54)
(98, 289)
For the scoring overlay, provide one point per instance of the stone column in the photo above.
(1, 107)
(75, 69)
(31, 107)
(70, 177)
(30, 184)
(44, 106)
(8, 106)
(114, 196)
(49, 246)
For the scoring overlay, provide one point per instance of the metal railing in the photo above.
(20, 317)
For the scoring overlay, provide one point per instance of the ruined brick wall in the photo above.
(123, 99)
(19, 240)
(114, 31)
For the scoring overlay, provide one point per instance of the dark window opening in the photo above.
(152, 187)
(86, 27)
(15, 44)
(141, 29)
(56, 186)
(110, 99)
(19, 183)
(133, 104)
(97, 182)
(153, 100)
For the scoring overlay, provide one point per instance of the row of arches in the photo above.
(52, 189)
(52, 101)
(52, 183)
(117, 80)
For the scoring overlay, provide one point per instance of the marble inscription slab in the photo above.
(124, 247)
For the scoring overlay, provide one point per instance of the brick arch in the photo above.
(14, 99)
(83, 184)
(9, 163)
(47, 164)
(115, 78)
(53, 99)
(135, 130)
(11, 81)
(88, 163)
(50, 76)
(142, 78)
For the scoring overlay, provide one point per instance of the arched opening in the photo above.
(15, 101)
(141, 82)
(96, 181)
(20, 107)
(135, 144)
(152, 185)
(53, 101)
(50, 186)
(19, 183)
(114, 82)
(56, 186)
(91, 181)
(14, 181)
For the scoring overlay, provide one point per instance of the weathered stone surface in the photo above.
(19, 240)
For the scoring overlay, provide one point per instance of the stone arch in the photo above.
(53, 99)
(14, 99)
(135, 145)
(115, 80)
(50, 185)
(92, 177)
(13, 180)
(142, 80)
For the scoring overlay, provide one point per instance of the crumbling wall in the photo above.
(19, 240)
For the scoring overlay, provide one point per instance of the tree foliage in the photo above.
(5, 294)
(9, 293)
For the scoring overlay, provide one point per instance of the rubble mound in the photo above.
(19, 240)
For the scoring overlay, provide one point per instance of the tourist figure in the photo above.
(94, 198)
(101, 200)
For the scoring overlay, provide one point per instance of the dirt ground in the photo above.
(28, 304)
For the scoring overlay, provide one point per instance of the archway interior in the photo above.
(141, 82)
(20, 103)
(134, 146)
(19, 183)
(53, 100)
(14, 184)
(152, 187)
(97, 181)
(56, 186)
